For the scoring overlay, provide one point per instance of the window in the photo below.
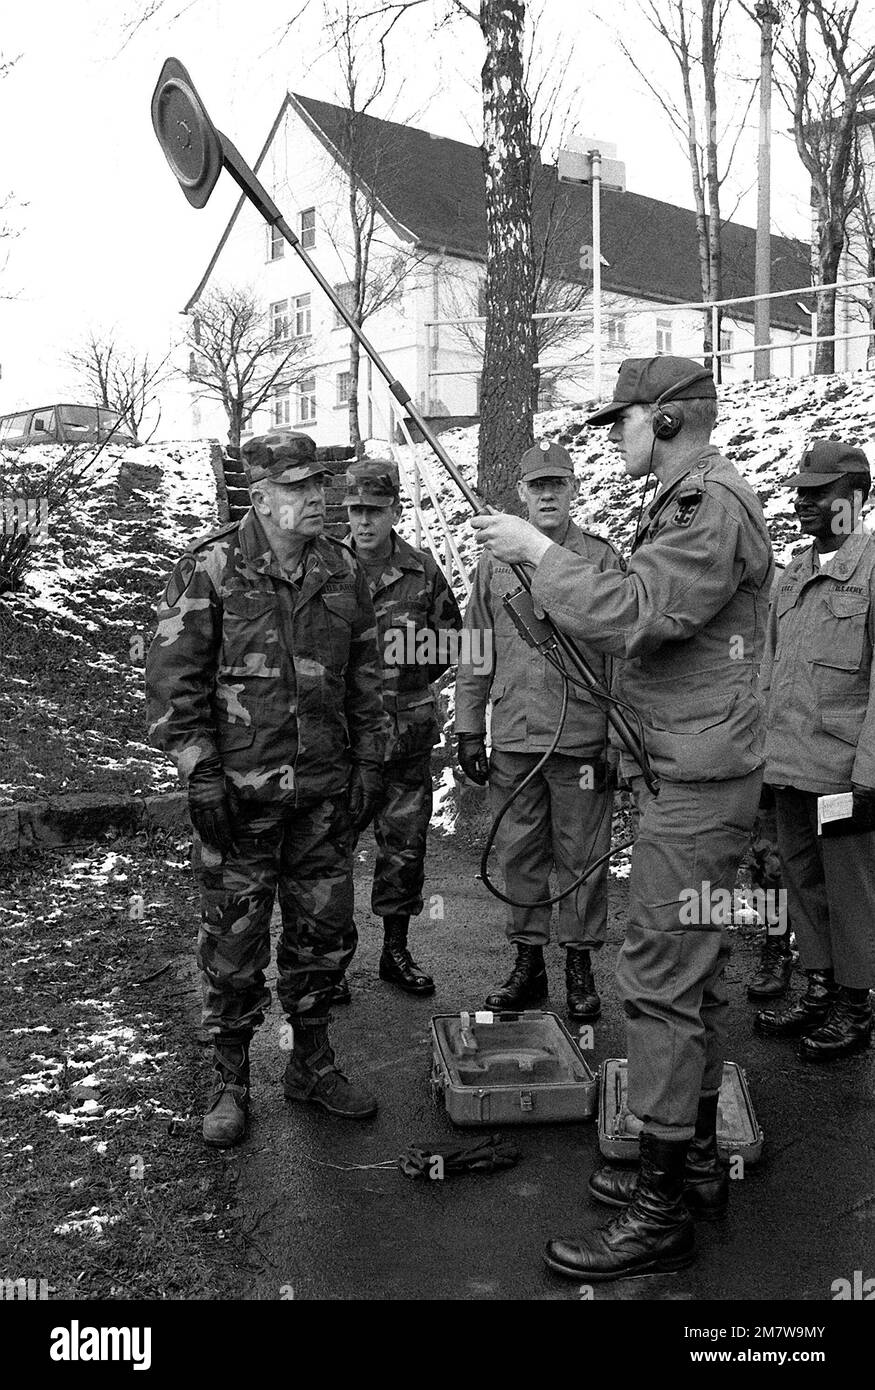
(44, 422)
(279, 320)
(308, 228)
(282, 408)
(346, 295)
(481, 299)
(663, 335)
(301, 307)
(343, 384)
(726, 346)
(306, 399)
(14, 427)
(617, 333)
(276, 247)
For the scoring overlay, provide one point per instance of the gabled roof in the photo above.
(432, 191)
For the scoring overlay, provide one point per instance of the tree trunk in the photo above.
(509, 352)
(829, 258)
(699, 198)
(235, 424)
(709, 69)
(355, 434)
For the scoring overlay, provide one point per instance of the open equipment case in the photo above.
(510, 1069)
(738, 1132)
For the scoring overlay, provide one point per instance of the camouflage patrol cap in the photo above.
(825, 460)
(284, 458)
(546, 460)
(372, 483)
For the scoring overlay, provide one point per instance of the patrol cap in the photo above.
(827, 459)
(372, 483)
(546, 460)
(284, 458)
(642, 380)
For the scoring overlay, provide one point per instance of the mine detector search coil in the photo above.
(197, 152)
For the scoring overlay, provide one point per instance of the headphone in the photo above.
(668, 420)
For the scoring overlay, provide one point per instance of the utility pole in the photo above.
(595, 161)
(587, 160)
(767, 15)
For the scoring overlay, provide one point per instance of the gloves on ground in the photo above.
(487, 1155)
(365, 793)
(472, 757)
(209, 805)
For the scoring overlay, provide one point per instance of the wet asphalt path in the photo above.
(801, 1218)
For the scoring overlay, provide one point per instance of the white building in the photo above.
(429, 241)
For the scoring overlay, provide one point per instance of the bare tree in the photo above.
(822, 70)
(93, 364)
(239, 357)
(694, 32)
(510, 348)
(377, 268)
(136, 384)
(8, 201)
(119, 378)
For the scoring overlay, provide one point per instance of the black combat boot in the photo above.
(706, 1182)
(652, 1235)
(225, 1119)
(775, 969)
(312, 1074)
(583, 1001)
(527, 982)
(396, 963)
(847, 1028)
(803, 1016)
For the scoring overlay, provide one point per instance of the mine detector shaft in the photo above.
(197, 152)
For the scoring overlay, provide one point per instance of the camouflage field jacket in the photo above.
(281, 679)
(417, 619)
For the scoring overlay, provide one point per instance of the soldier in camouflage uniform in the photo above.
(263, 684)
(416, 612)
(772, 978)
(776, 957)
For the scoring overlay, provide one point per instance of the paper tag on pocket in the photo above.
(839, 806)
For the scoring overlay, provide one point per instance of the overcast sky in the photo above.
(105, 235)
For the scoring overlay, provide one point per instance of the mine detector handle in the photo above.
(197, 152)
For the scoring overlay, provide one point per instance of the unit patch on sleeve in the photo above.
(180, 580)
(686, 509)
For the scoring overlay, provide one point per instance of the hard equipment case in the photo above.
(510, 1069)
(738, 1132)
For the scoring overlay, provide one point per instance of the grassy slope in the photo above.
(106, 1190)
(71, 696)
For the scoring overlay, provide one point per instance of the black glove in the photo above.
(209, 805)
(472, 757)
(477, 1156)
(365, 794)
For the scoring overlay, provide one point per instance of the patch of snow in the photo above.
(90, 1224)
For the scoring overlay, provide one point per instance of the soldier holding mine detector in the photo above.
(686, 621)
